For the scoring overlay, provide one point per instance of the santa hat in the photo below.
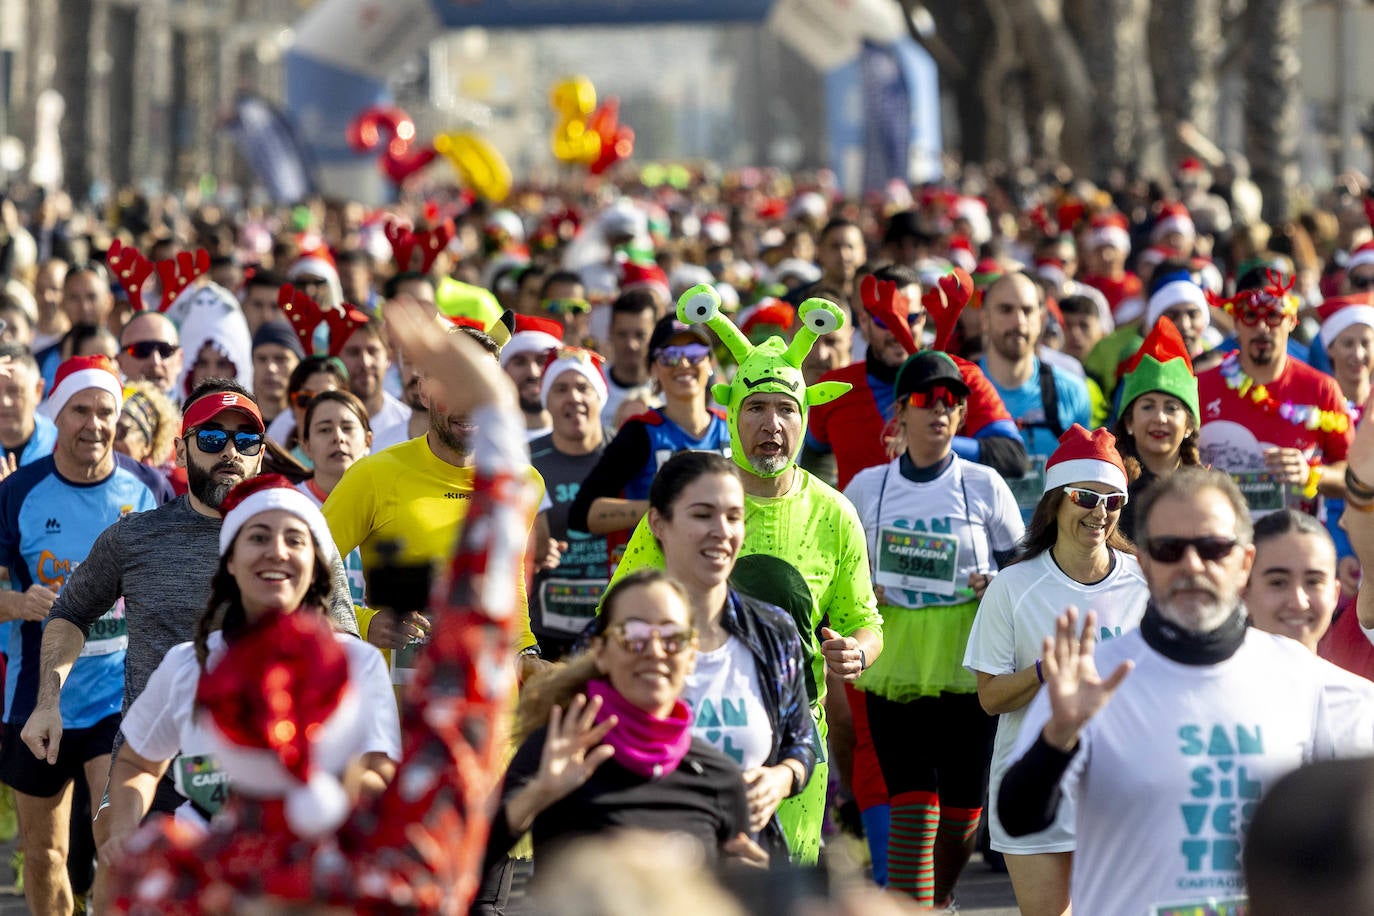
(77, 374)
(1341, 312)
(306, 316)
(280, 712)
(1173, 218)
(263, 494)
(804, 271)
(318, 262)
(650, 276)
(768, 316)
(961, 253)
(715, 230)
(540, 339)
(1360, 257)
(1110, 230)
(584, 362)
(1176, 292)
(1085, 457)
(1162, 364)
(810, 204)
(1051, 270)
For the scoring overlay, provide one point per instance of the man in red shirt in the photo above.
(1277, 426)
(854, 425)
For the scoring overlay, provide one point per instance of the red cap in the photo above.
(206, 408)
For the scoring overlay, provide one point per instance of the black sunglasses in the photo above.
(1361, 282)
(1171, 550)
(146, 348)
(214, 441)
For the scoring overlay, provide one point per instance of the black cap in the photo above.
(669, 327)
(925, 368)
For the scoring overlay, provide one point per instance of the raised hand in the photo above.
(466, 376)
(572, 748)
(1076, 691)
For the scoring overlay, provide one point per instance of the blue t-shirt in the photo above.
(1026, 408)
(47, 527)
(39, 446)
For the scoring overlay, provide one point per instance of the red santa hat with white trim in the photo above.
(76, 374)
(1085, 457)
(1109, 230)
(1173, 218)
(1360, 257)
(1339, 313)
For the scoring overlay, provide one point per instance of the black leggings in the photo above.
(934, 744)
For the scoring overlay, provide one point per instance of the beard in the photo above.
(1198, 615)
(769, 465)
(439, 425)
(531, 406)
(208, 488)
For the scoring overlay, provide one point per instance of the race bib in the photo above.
(109, 634)
(568, 604)
(1211, 906)
(1031, 487)
(199, 778)
(917, 561)
(1262, 492)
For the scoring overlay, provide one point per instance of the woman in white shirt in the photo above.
(274, 549)
(1074, 554)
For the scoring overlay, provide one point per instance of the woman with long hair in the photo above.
(939, 527)
(614, 497)
(1157, 429)
(334, 433)
(1074, 555)
(274, 558)
(606, 741)
(747, 694)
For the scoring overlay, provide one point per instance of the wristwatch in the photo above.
(532, 650)
(863, 660)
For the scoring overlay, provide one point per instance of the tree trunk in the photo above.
(1061, 80)
(1273, 115)
(1115, 53)
(1185, 44)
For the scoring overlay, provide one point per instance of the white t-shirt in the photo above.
(1169, 772)
(392, 412)
(1018, 611)
(727, 705)
(926, 539)
(160, 724)
(616, 394)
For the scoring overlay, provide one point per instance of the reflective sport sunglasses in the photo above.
(694, 353)
(1171, 550)
(634, 637)
(146, 348)
(1090, 499)
(938, 394)
(912, 319)
(214, 441)
(565, 306)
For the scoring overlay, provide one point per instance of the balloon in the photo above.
(478, 164)
(573, 100)
(617, 141)
(389, 124)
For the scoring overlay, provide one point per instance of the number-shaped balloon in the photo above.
(478, 164)
(617, 141)
(573, 101)
(402, 157)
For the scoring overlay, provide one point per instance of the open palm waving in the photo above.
(1076, 690)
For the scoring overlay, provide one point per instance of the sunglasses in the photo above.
(694, 353)
(1364, 282)
(214, 441)
(634, 637)
(938, 394)
(301, 399)
(1091, 499)
(912, 319)
(1171, 550)
(146, 348)
(1250, 317)
(567, 306)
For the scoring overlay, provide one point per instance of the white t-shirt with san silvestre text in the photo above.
(1168, 774)
(936, 532)
(161, 724)
(1018, 611)
(727, 705)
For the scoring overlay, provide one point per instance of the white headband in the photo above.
(79, 381)
(287, 499)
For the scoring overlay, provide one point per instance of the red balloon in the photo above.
(402, 157)
(617, 141)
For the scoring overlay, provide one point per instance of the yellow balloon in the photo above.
(477, 162)
(573, 99)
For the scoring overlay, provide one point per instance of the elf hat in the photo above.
(1161, 364)
(76, 374)
(1340, 313)
(281, 716)
(1085, 457)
